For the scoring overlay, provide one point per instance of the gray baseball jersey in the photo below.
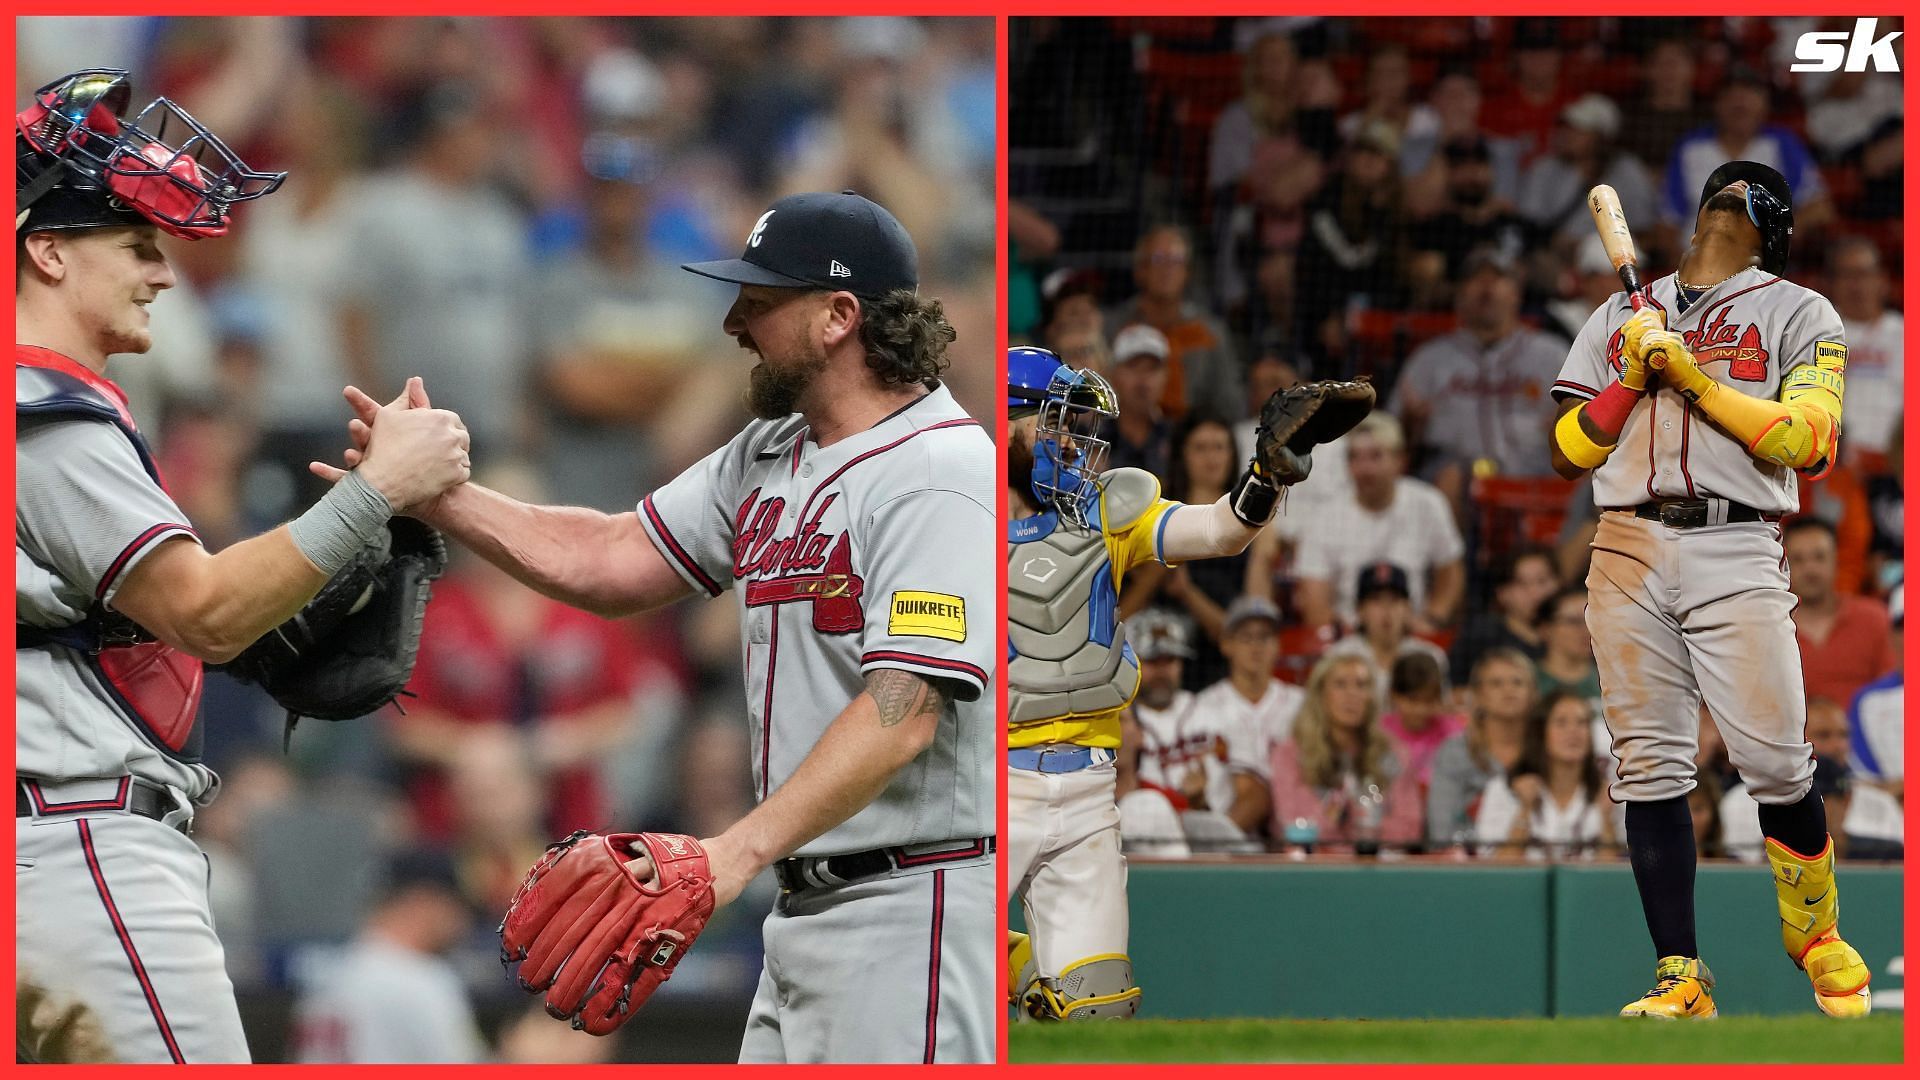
(875, 552)
(1485, 401)
(85, 513)
(1748, 333)
(1681, 616)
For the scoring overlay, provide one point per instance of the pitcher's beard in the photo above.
(773, 393)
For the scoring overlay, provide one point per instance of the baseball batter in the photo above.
(854, 524)
(1694, 413)
(116, 603)
(1074, 531)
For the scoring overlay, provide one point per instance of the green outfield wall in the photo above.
(1266, 938)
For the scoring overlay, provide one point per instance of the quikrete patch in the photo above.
(1831, 354)
(927, 614)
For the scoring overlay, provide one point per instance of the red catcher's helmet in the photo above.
(79, 163)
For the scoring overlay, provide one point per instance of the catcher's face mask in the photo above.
(163, 163)
(1069, 447)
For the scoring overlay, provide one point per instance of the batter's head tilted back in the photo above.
(81, 164)
(1069, 443)
(1769, 207)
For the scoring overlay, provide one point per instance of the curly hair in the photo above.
(906, 336)
(1320, 762)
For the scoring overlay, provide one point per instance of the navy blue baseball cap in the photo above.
(823, 240)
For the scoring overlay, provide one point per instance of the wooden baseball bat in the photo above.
(1604, 202)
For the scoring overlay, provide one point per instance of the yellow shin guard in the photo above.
(1810, 929)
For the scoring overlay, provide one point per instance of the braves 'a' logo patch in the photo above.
(1746, 357)
(811, 566)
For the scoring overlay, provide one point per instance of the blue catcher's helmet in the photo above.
(1069, 440)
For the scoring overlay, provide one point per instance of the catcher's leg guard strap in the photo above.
(1253, 499)
(1097, 988)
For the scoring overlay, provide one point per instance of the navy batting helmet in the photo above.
(1769, 207)
(79, 163)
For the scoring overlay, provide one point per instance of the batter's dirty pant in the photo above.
(897, 970)
(114, 949)
(1065, 866)
(1678, 615)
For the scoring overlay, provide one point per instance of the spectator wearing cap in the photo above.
(1740, 132)
(1474, 216)
(441, 278)
(1245, 712)
(390, 997)
(1584, 152)
(1196, 774)
(1354, 248)
(1870, 823)
(1477, 401)
(1522, 578)
(1069, 305)
(1142, 435)
(1420, 714)
(618, 334)
(1846, 641)
(1201, 369)
(1876, 347)
(1877, 715)
(1337, 782)
(1383, 613)
(1389, 517)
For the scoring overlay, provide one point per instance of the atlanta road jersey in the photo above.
(1748, 332)
(875, 552)
(86, 512)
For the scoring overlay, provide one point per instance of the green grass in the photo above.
(1727, 1039)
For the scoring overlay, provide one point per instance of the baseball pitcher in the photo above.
(117, 605)
(854, 524)
(1694, 412)
(1074, 532)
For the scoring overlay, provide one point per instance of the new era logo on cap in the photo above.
(799, 242)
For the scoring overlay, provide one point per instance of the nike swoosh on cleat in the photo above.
(1817, 899)
(1691, 1000)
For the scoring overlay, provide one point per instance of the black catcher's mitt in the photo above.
(351, 650)
(1299, 418)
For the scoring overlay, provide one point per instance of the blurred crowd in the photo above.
(501, 206)
(1206, 210)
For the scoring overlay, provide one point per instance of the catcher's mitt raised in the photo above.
(595, 938)
(351, 650)
(1292, 423)
(1299, 418)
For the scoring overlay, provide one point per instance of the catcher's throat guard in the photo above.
(81, 164)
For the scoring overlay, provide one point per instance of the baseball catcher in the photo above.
(1075, 531)
(118, 607)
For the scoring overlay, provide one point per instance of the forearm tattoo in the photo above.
(902, 695)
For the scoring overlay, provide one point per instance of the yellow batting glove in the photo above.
(1646, 321)
(1666, 353)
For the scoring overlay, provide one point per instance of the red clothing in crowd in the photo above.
(1858, 650)
(1416, 748)
(468, 674)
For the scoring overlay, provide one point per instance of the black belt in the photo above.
(1695, 513)
(826, 871)
(136, 796)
